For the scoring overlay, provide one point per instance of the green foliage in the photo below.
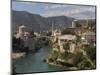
(79, 57)
(70, 55)
(54, 55)
(63, 55)
(78, 39)
(78, 60)
(67, 31)
(91, 24)
(66, 46)
(84, 64)
(17, 44)
(78, 25)
(91, 52)
(38, 44)
(50, 43)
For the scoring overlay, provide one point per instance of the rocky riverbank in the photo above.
(17, 55)
(62, 65)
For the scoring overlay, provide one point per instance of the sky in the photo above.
(49, 10)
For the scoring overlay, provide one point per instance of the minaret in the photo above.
(86, 22)
(53, 34)
(52, 29)
(74, 23)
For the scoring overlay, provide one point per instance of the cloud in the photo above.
(23, 3)
(55, 6)
(48, 9)
(70, 10)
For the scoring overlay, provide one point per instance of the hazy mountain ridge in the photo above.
(39, 23)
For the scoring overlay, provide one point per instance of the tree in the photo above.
(78, 24)
(67, 31)
(91, 52)
(66, 46)
(17, 44)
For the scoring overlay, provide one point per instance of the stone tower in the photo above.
(74, 23)
(21, 32)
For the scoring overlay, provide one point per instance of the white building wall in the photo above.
(72, 47)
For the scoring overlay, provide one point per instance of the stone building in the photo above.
(90, 37)
(26, 37)
(67, 39)
(21, 32)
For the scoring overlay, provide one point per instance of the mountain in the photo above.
(39, 23)
(31, 21)
(87, 22)
(61, 21)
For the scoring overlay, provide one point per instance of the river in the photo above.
(34, 63)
